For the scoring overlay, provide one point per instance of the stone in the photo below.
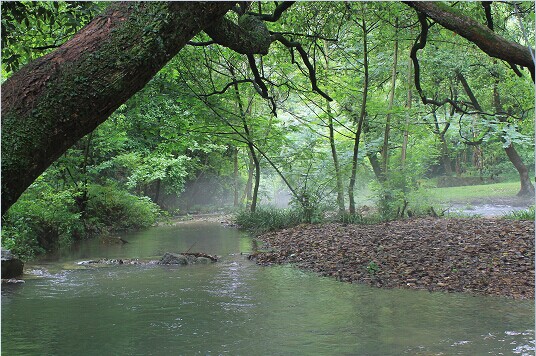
(174, 259)
(12, 281)
(203, 260)
(11, 265)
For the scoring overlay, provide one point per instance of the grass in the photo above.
(267, 219)
(527, 214)
(475, 192)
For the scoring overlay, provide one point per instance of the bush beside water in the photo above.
(44, 219)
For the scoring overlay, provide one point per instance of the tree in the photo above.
(54, 101)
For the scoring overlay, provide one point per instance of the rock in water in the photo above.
(11, 265)
(174, 259)
(186, 258)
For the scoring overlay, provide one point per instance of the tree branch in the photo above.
(488, 41)
(200, 44)
(303, 54)
(277, 12)
(489, 21)
(248, 36)
(258, 79)
(228, 86)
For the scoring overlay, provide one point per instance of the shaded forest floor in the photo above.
(479, 256)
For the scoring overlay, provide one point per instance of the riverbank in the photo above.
(479, 256)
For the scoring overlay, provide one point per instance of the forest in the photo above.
(119, 115)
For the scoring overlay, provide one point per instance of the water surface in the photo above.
(235, 307)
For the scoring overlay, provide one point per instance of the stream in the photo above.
(235, 307)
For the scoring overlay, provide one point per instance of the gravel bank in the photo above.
(479, 256)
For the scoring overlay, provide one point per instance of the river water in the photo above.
(235, 307)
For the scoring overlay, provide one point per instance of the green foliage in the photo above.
(373, 268)
(144, 170)
(46, 218)
(42, 219)
(33, 28)
(177, 134)
(109, 208)
(268, 219)
(527, 214)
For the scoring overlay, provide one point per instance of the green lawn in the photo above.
(475, 192)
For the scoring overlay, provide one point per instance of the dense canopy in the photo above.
(187, 104)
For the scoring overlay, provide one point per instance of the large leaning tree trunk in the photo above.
(54, 101)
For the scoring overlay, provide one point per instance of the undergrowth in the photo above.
(268, 219)
(527, 214)
(44, 219)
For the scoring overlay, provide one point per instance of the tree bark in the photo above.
(246, 197)
(445, 158)
(54, 101)
(335, 157)
(488, 41)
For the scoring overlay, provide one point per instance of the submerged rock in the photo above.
(186, 258)
(167, 259)
(11, 265)
(173, 259)
(12, 281)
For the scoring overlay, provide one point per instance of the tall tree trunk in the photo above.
(445, 158)
(362, 115)
(249, 183)
(235, 176)
(385, 148)
(82, 198)
(526, 188)
(255, 195)
(376, 166)
(251, 146)
(334, 156)
(338, 176)
(403, 154)
(57, 99)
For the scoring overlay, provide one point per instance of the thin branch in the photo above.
(200, 44)
(318, 37)
(260, 82)
(43, 48)
(277, 12)
(228, 86)
(303, 54)
(420, 43)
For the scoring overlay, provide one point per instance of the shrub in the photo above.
(115, 210)
(527, 214)
(44, 218)
(268, 219)
(41, 220)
